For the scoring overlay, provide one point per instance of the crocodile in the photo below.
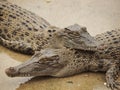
(26, 32)
(73, 58)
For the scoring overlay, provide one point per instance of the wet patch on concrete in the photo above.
(77, 82)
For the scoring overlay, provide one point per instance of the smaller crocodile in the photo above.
(25, 32)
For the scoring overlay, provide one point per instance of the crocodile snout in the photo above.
(11, 72)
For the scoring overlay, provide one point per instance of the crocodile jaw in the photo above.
(43, 63)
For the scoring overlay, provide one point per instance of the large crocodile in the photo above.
(73, 58)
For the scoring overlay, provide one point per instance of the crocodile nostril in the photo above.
(10, 71)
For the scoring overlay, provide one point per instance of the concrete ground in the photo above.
(97, 15)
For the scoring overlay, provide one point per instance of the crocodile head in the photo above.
(76, 37)
(44, 63)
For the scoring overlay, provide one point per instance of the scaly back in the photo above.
(16, 22)
(110, 38)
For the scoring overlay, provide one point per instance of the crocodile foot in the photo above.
(111, 77)
(113, 85)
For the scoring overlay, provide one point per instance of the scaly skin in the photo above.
(22, 30)
(109, 38)
(18, 28)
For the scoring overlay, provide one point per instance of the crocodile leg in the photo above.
(18, 46)
(111, 76)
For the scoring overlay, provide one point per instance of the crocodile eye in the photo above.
(49, 30)
(50, 35)
(76, 33)
(54, 30)
(84, 29)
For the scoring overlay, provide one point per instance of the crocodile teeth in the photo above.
(25, 74)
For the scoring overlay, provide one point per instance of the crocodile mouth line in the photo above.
(24, 74)
(19, 74)
(12, 75)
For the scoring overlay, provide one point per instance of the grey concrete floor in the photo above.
(97, 15)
